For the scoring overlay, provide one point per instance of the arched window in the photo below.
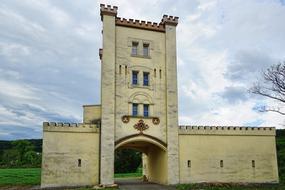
(141, 104)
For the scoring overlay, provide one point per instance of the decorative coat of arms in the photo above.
(141, 126)
(125, 119)
(155, 120)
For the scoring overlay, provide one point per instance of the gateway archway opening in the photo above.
(153, 160)
(128, 163)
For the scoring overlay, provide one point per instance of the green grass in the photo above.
(228, 187)
(32, 176)
(23, 176)
(123, 175)
(138, 173)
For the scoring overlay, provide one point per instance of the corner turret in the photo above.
(169, 20)
(108, 10)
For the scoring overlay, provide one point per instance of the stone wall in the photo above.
(126, 93)
(160, 94)
(91, 114)
(108, 98)
(70, 154)
(157, 165)
(227, 154)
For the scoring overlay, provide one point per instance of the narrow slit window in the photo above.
(145, 50)
(79, 163)
(159, 73)
(253, 163)
(221, 163)
(126, 70)
(135, 48)
(189, 163)
(120, 69)
(154, 72)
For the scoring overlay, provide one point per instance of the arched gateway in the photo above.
(154, 155)
(139, 110)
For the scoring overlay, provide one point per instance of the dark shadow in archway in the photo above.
(128, 163)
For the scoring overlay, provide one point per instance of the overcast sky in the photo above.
(49, 64)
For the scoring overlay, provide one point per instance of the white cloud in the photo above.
(16, 90)
(228, 44)
(49, 64)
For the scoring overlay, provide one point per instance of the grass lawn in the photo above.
(32, 176)
(23, 176)
(228, 187)
(123, 175)
(138, 173)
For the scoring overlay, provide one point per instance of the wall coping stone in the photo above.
(70, 127)
(226, 130)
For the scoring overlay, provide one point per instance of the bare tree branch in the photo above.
(269, 110)
(276, 110)
(273, 86)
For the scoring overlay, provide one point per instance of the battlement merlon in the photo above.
(134, 23)
(70, 127)
(146, 25)
(227, 130)
(170, 20)
(108, 10)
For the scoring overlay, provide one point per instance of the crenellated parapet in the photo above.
(108, 10)
(147, 25)
(170, 20)
(227, 130)
(70, 127)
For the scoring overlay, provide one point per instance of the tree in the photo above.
(32, 159)
(273, 87)
(20, 153)
(10, 158)
(22, 146)
(127, 160)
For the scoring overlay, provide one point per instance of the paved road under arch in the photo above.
(137, 184)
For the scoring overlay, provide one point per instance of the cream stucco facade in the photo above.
(139, 110)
